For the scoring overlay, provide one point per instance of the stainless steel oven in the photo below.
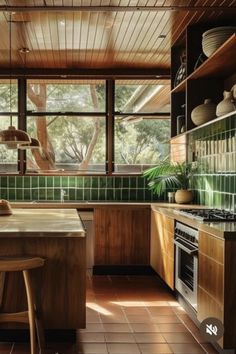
(186, 262)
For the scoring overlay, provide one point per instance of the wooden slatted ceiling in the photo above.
(98, 39)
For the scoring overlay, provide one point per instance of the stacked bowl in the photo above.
(214, 38)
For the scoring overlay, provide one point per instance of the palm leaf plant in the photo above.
(168, 175)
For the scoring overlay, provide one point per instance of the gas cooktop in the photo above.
(209, 215)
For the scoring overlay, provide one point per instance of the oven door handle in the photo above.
(185, 246)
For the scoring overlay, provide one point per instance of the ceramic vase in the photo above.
(226, 105)
(183, 196)
(204, 112)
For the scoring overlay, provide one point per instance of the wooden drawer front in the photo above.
(211, 246)
(211, 277)
(165, 222)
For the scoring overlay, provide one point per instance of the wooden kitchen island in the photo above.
(58, 236)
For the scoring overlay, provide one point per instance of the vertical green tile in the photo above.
(27, 182)
(95, 182)
(11, 182)
(87, 194)
(19, 182)
(80, 182)
(57, 181)
(110, 194)
(79, 194)
(94, 194)
(49, 182)
(35, 181)
(72, 181)
(19, 195)
(87, 182)
(4, 181)
(42, 182)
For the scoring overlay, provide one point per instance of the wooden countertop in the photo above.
(41, 223)
(225, 230)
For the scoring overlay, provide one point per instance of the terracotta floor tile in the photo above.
(190, 348)
(117, 327)
(92, 337)
(165, 319)
(120, 348)
(155, 348)
(114, 319)
(93, 348)
(179, 337)
(161, 310)
(93, 327)
(135, 310)
(145, 327)
(172, 327)
(149, 338)
(139, 318)
(119, 338)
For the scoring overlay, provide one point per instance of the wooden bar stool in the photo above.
(24, 264)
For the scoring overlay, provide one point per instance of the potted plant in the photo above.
(169, 175)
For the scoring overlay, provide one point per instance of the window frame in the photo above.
(109, 115)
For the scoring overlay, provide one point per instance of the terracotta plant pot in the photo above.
(183, 196)
(203, 113)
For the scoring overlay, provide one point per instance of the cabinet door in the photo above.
(210, 277)
(162, 247)
(122, 235)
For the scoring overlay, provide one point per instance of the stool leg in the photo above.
(30, 301)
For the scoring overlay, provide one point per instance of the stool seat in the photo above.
(31, 316)
(17, 264)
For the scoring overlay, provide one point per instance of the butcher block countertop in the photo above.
(42, 223)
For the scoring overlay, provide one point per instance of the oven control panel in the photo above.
(186, 232)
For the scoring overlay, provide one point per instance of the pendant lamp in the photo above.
(13, 137)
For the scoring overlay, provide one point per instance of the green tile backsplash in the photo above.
(96, 188)
(214, 149)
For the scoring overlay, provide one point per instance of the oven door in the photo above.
(186, 265)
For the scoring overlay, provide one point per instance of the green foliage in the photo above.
(168, 175)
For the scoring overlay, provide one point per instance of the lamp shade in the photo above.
(35, 144)
(13, 135)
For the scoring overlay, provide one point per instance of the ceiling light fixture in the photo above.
(12, 137)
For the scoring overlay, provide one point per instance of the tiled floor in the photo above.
(129, 315)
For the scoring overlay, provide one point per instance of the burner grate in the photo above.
(209, 214)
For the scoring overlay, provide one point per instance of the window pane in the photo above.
(67, 144)
(8, 96)
(8, 157)
(143, 97)
(69, 96)
(140, 143)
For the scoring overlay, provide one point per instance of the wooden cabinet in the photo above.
(162, 247)
(122, 235)
(207, 80)
(216, 284)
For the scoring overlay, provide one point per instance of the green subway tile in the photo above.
(26, 194)
(65, 181)
(19, 194)
(72, 194)
(57, 194)
(125, 194)
(35, 182)
(42, 194)
(3, 193)
(27, 182)
(140, 194)
(49, 181)
(49, 194)
(42, 181)
(87, 194)
(57, 181)
(19, 182)
(72, 181)
(110, 194)
(35, 194)
(94, 182)
(79, 194)
(109, 182)
(4, 181)
(102, 194)
(87, 182)
(133, 182)
(94, 194)
(102, 182)
(11, 193)
(11, 182)
(118, 182)
(118, 194)
(148, 195)
(80, 182)
(125, 182)
(132, 194)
